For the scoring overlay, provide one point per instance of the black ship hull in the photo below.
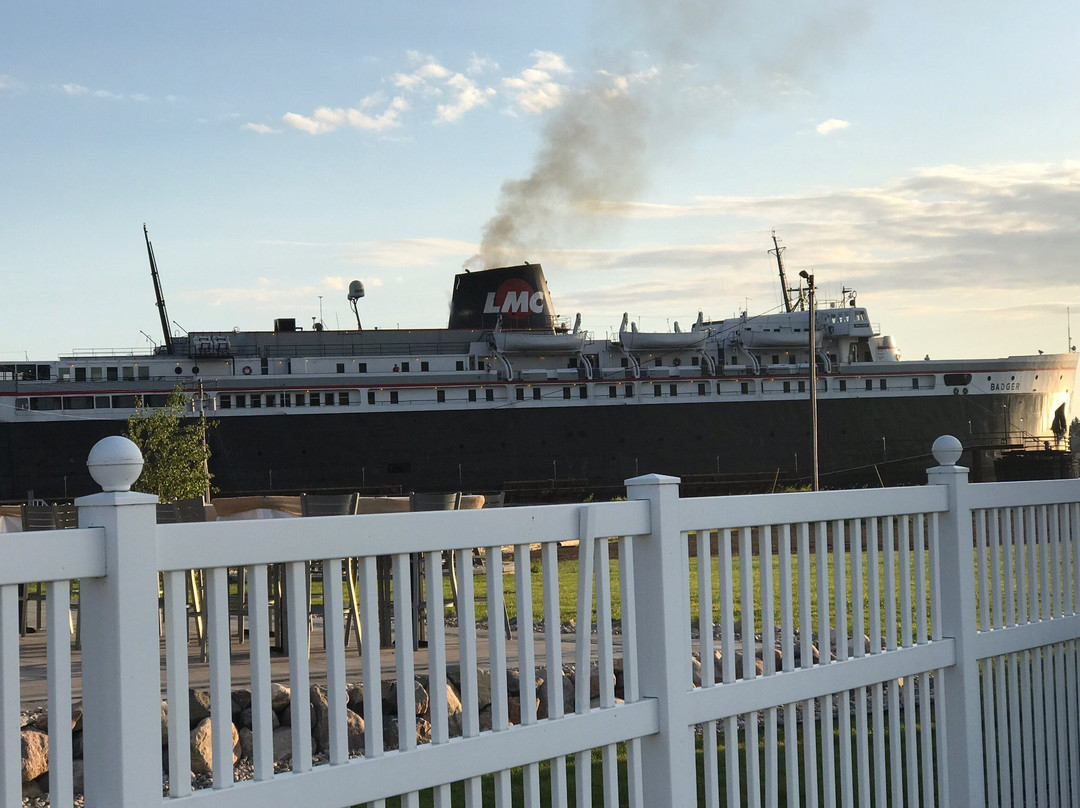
(543, 452)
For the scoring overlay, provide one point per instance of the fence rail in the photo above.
(889, 647)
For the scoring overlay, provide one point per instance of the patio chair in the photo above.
(190, 510)
(41, 516)
(430, 502)
(333, 505)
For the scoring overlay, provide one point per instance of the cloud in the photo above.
(536, 89)
(10, 83)
(831, 125)
(75, 89)
(260, 128)
(327, 119)
(432, 80)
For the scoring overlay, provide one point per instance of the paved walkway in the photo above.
(33, 670)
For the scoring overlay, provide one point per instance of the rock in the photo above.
(35, 754)
(241, 700)
(202, 753)
(390, 698)
(543, 683)
(282, 744)
(164, 722)
(355, 692)
(76, 717)
(247, 743)
(279, 697)
(77, 769)
(320, 726)
(356, 732)
(423, 731)
(198, 706)
(35, 789)
(513, 709)
(245, 719)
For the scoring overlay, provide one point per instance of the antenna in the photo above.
(356, 291)
(157, 292)
(778, 251)
(1068, 319)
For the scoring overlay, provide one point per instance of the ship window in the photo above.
(80, 374)
(343, 399)
(440, 396)
(328, 399)
(256, 401)
(776, 359)
(674, 389)
(695, 360)
(271, 400)
(883, 384)
(657, 391)
(129, 373)
(629, 391)
(536, 394)
(79, 403)
(869, 384)
(791, 359)
(566, 392)
(144, 372)
(914, 384)
(404, 367)
(612, 391)
(802, 387)
(659, 362)
(285, 399)
(45, 403)
(361, 367)
(519, 394)
(22, 403)
(96, 374)
(425, 367)
(313, 399)
(745, 388)
(625, 362)
(472, 395)
(340, 367)
(370, 396)
(734, 360)
(123, 402)
(701, 388)
(301, 399)
(583, 392)
(102, 402)
(843, 385)
(957, 379)
(241, 401)
(718, 390)
(571, 362)
(393, 396)
(489, 394)
(225, 401)
(459, 365)
(787, 387)
(112, 374)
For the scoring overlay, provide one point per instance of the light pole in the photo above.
(813, 378)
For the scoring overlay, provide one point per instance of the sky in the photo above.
(924, 154)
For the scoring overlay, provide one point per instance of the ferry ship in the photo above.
(508, 397)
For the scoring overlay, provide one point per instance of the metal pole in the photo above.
(813, 379)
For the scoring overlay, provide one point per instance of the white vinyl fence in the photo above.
(912, 646)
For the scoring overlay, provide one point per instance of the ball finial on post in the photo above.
(947, 450)
(115, 463)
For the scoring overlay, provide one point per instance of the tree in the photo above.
(1074, 436)
(174, 449)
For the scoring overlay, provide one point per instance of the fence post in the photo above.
(121, 655)
(662, 588)
(958, 699)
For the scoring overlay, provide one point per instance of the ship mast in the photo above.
(157, 293)
(778, 252)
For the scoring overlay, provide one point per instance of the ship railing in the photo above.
(910, 645)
